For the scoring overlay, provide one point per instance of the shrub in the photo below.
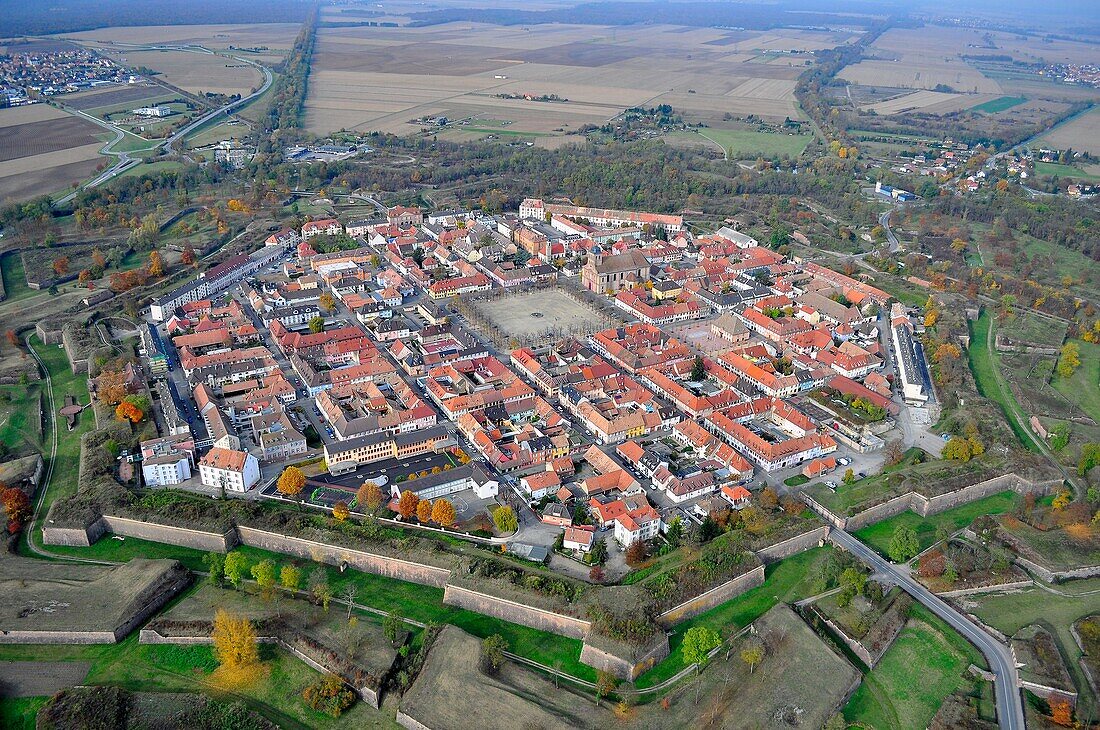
(329, 695)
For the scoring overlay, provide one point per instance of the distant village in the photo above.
(26, 78)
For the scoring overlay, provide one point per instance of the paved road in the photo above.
(268, 80)
(1010, 709)
(884, 221)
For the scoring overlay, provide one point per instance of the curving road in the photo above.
(884, 221)
(1010, 709)
(125, 162)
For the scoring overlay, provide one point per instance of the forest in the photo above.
(68, 16)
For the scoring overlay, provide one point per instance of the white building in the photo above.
(154, 111)
(166, 461)
(237, 471)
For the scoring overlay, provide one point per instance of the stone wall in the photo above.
(58, 637)
(335, 555)
(925, 506)
(1054, 576)
(409, 723)
(182, 536)
(517, 613)
(793, 546)
(73, 536)
(714, 597)
(622, 667)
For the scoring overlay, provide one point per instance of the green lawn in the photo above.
(20, 417)
(1053, 169)
(1083, 387)
(983, 364)
(19, 713)
(170, 668)
(750, 144)
(925, 664)
(1010, 612)
(151, 168)
(788, 580)
(999, 105)
(15, 277)
(878, 535)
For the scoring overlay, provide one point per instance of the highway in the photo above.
(125, 161)
(1010, 709)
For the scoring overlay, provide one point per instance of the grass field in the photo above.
(18, 713)
(1010, 612)
(750, 144)
(999, 105)
(925, 664)
(1083, 387)
(878, 535)
(1052, 169)
(167, 668)
(15, 277)
(786, 581)
(20, 418)
(983, 364)
(1027, 326)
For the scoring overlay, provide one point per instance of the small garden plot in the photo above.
(1041, 661)
(926, 663)
(452, 691)
(797, 682)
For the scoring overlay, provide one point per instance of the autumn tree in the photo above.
(320, 588)
(443, 512)
(235, 645)
(369, 497)
(849, 476)
(893, 452)
(505, 519)
(1061, 712)
(752, 653)
(1069, 360)
(111, 386)
(291, 482)
(127, 411)
(263, 573)
(957, 449)
(98, 259)
(61, 265)
(13, 339)
(188, 257)
(326, 302)
(84, 277)
(156, 264)
(17, 507)
(636, 553)
(290, 577)
(606, 682)
(407, 504)
(317, 324)
(424, 511)
(340, 511)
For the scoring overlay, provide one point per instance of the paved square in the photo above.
(531, 315)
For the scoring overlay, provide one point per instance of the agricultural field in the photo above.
(999, 105)
(369, 78)
(1082, 133)
(925, 664)
(1053, 169)
(44, 150)
(260, 42)
(931, 102)
(196, 73)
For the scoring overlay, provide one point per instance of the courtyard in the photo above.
(530, 316)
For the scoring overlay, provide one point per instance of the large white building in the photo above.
(166, 461)
(237, 471)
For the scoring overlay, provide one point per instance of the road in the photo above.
(1010, 709)
(884, 221)
(125, 162)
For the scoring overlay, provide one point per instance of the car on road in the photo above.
(844, 461)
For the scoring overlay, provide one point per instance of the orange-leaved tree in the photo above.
(127, 411)
(406, 506)
(235, 647)
(340, 511)
(369, 497)
(17, 506)
(443, 512)
(424, 511)
(291, 482)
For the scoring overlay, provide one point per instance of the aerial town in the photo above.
(567, 365)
